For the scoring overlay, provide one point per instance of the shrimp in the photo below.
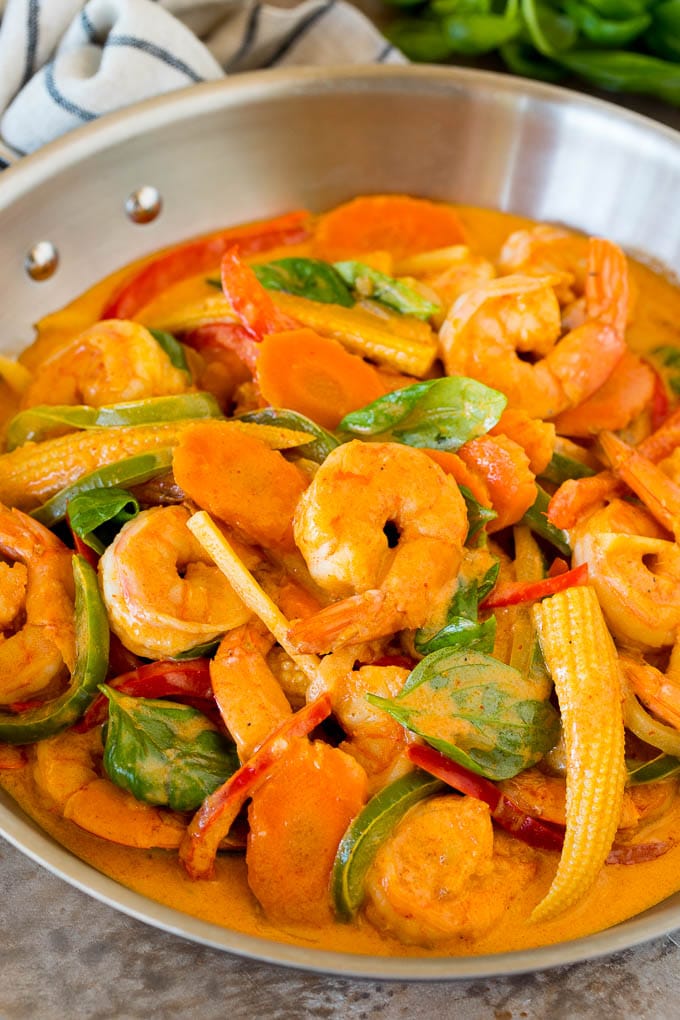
(490, 328)
(362, 496)
(659, 692)
(67, 771)
(544, 249)
(635, 571)
(443, 873)
(162, 592)
(249, 697)
(36, 607)
(544, 797)
(110, 362)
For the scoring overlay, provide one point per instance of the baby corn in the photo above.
(581, 657)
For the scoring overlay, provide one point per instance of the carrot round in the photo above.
(239, 479)
(315, 376)
(504, 467)
(393, 223)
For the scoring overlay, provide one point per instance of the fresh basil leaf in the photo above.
(95, 508)
(164, 753)
(204, 651)
(537, 520)
(439, 414)
(462, 628)
(308, 278)
(370, 283)
(478, 517)
(317, 450)
(173, 348)
(477, 711)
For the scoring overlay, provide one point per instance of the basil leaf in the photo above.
(90, 510)
(203, 651)
(317, 450)
(662, 767)
(462, 628)
(477, 711)
(439, 414)
(478, 517)
(164, 753)
(370, 283)
(36, 423)
(537, 520)
(173, 348)
(308, 278)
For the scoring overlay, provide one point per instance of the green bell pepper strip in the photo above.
(368, 831)
(537, 520)
(123, 473)
(35, 423)
(92, 657)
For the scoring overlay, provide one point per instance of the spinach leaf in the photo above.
(368, 282)
(309, 278)
(97, 508)
(477, 711)
(462, 628)
(164, 753)
(438, 414)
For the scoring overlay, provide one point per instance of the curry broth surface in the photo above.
(620, 891)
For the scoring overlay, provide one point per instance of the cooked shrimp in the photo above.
(163, 593)
(653, 483)
(658, 691)
(36, 607)
(635, 571)
(249, 697)
(67, 771)
(488, 329)
(544, 249)
(443, 874)
(363, 494)
(545, 797)
(112, 361)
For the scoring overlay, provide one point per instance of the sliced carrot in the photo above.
(504, 467)
(461, 474)
(240, 480)
(627, 391)
(297, 819)
(580, 496)
(201, 256)
(536, 437)
(314, 375)
(394, 223)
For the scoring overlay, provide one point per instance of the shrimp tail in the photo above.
(355, 619)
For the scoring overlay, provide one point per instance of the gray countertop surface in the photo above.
(65, 955)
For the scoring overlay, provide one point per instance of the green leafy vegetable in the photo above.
(536, 519)
(309, 278)
(368, 282)
(36, 423)
(477, 711)
(662, 767)
(316, 450)
(478, 517)
(438, 414)
(99, 507)
(462, 628)
(164, 753)
(368, 831)
(173, 348)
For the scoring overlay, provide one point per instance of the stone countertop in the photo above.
(65, 955)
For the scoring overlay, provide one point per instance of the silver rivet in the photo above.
(41, 261)
(144, 204)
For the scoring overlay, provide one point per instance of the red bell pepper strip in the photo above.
(84, 550)
(402, 661)
(512, 593)
(188, 681)
(660, 405)
(504, 811)
(231, 336)
(213, 820)
(250, 300)
(201, 256)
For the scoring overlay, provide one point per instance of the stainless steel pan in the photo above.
(269, 142)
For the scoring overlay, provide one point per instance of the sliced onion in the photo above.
(637, 853)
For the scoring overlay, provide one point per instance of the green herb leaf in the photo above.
(90, 510)
(662, 767)
(537, 520)
(478, 517)
(173, 348)
(462, 628)
(164, 753)
(308, 278)
(370, 283)
(439, 414)
(316, 450)
(477, 711)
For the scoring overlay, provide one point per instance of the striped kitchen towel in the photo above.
(66, 62)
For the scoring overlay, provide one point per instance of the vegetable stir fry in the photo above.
(340, 577)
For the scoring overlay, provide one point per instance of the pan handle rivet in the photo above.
(41, 261)
(144, 204)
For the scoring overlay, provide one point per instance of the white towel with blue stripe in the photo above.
(66, 62)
